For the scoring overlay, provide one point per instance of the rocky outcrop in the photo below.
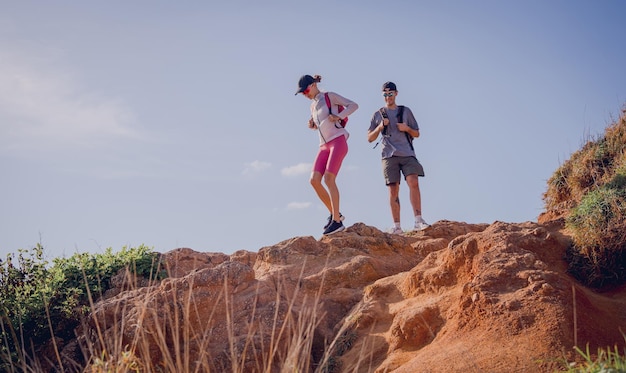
(454, 297)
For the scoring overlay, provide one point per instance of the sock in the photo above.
(418, 219)
(397, 224)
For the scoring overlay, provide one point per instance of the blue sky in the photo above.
(174, 124)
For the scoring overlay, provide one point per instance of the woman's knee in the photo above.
(316, 179)
(329, 178)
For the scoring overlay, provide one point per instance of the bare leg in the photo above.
(329, 179)
(394, 201)
(316, 182)
(414, 194)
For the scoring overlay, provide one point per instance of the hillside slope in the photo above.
(454, 297)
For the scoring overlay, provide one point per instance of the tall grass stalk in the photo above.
(155, 330)
(289, 349)
(54, 343)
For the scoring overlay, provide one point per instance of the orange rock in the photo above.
(453, 297)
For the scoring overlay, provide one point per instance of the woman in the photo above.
(333, 144)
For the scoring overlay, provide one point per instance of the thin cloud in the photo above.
(44, 108)
(255, 167)
(299, 169)
(298, 205)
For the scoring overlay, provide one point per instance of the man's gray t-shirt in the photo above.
(395, 142)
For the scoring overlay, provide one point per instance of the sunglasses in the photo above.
(306, 91)
(390, 94)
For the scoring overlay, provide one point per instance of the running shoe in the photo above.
(334, 227)
(395, 230)
(421, 225)
(330, 219)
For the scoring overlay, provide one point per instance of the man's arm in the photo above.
(410, 125)
(373, 134)
(403, 127)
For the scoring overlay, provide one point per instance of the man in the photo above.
(398, 127)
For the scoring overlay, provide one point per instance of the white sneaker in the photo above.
(420, 225)
(395, 230)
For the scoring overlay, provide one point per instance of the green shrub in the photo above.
(589, 191)
(39, 300)
(598, 226)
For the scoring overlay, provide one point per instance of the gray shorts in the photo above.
(407, 165)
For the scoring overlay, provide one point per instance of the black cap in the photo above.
(305, 81)
(390, 86)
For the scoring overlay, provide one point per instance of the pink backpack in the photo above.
(343, 121)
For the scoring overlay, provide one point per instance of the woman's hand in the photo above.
(333, 118)
(312, 124)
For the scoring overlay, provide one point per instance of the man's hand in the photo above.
(403, 127)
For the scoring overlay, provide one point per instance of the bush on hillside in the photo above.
(39, 300)
(589, 190)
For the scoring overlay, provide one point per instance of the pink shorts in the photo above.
(331, 155)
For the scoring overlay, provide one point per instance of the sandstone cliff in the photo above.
(455, 297)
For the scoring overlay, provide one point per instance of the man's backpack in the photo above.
(399, 117)
(343, 121)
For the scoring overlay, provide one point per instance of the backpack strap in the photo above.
(343, 121)
(383, 114)
(400, 113)
(399, 118)
(328, 102)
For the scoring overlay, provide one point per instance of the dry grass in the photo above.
(587, 168)
(589, 190)
(164, 336)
